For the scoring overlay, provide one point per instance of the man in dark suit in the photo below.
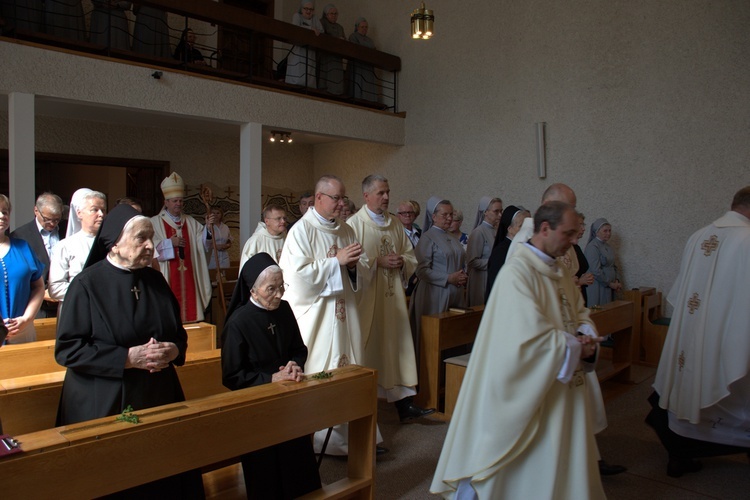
(42, 234)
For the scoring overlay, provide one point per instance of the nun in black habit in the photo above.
(120, 336)
(500, 247)
(261, 343)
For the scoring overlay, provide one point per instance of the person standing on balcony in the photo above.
(300, 69)
(109, 26)
(331, 68)
(186, 51)
(64, 19)
(364, 83)
(151, 32)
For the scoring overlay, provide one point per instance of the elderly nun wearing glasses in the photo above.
(261, 344)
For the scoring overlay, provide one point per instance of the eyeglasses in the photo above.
(338, 199)
(308, 9)
(47, 220)
(409, 213)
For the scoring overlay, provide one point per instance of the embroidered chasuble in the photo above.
(186, 273)
(522, 426)
(382, 304)
(323, 296)
(703, 378)
(184, 286)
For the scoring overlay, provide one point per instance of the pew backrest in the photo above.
(34, 358)
(46, 328)
(184, 436)
(20, 360)
(29, 404)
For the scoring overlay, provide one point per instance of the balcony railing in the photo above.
(229, 42)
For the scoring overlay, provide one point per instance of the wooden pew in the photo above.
(438, 333)
(20, 360)
(29, 404)
(637, 296)
(614, 318)
(201, 336)
(653, 329)
(46, 329)
(184, 436)
(455, 370)
(38, 357)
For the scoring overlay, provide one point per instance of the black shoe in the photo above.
(381, 450)
(413, 411)
(606, 469)
(679, 466)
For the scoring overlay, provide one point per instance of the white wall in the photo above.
(646, 104)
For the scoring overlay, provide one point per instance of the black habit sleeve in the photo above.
(257, 342)
(106, 311)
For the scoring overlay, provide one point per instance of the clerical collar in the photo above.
(175, 218)
(258, 304)
(378, 219)
(118, 266)
(550, 261)
(323, 220)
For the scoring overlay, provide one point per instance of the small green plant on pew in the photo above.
(321, 375)
(128, 416)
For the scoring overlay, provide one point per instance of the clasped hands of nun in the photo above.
(261, 282)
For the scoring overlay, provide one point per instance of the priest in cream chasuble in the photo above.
(523, 424)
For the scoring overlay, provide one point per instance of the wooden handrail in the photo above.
(241, 19)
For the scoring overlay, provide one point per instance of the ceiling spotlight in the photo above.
(280, 136)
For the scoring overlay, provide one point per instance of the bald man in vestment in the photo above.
(700, 407)
(325, 267)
